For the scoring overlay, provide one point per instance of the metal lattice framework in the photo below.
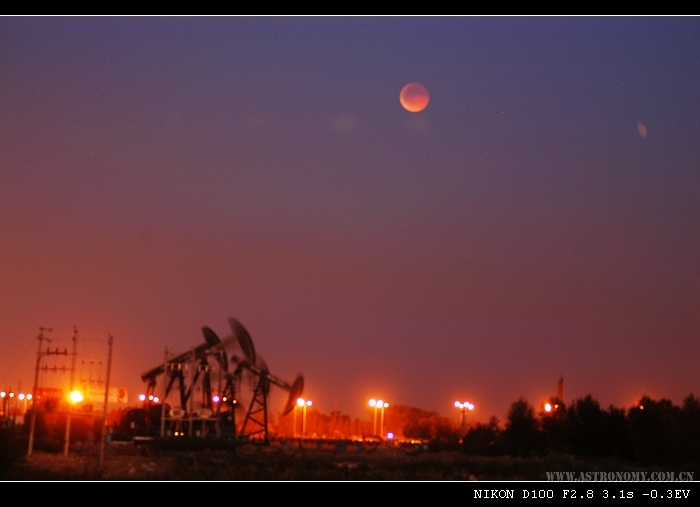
(255, 422)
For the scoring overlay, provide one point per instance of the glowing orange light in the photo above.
(75, 397)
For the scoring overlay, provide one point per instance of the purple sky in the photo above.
(541, 217)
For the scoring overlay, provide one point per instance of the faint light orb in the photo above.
(345, 123)
(642, 129)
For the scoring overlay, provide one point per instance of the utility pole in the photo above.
(191, 365)
(560, 389)
(72, 374)
(162, 401)
(104, 409)
(32, 426)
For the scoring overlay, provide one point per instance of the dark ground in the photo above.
(125, 461)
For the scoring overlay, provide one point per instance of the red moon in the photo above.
(414, 97)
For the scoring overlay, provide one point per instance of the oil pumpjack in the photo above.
(261, 380)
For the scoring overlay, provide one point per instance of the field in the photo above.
(125, 461)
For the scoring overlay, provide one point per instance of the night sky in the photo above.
(541, 217)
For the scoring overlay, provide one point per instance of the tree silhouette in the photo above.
(483, 439)
(554, 429)
(587, 428)
(617, 434)
(690, 430)
(654, 431)
(521, 434)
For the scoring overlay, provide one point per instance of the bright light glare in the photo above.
(372, 402)
(300, 402)
(390, 435)
(547, 407)
(75, 397)
(215, 398)
(142, 397)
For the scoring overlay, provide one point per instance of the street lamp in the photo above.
(373, 403)
(378, 405)
(301, 402)
(382, 405)
(463, 407)
(294, 420)
(24, 398)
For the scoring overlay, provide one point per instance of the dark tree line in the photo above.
(650, 433)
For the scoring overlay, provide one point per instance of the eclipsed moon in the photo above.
(414, 97)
